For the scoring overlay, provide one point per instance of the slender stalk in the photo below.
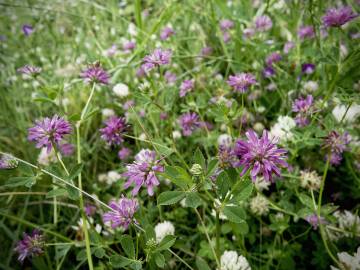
(83, 113)
(181, 260)
(208, 238)
(217, 222)
(322, 231)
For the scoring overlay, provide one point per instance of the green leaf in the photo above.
(20, 181)
(213, 164)
(150, 232)
(75, 171)
(234, 213)
(159, 259)
(61, 250)
(199, 159)
(128, 246)
(201, 264)
(57, 192)
(136, 265)
(243, 191)
(223, 184)
(193, 200)
(72, 192)
(118, 261)
(99, 252)
(306, 200)
(178, 176)
(170, 197)
(166, 243)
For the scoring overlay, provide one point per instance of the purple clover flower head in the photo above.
(111, 51)
(288, 47)
(303, 107)
(129, 46)
(226, 37)
(336, 143)
(248, 32)
(186, 87)
(7, 161)
(226, 156)
(95, 74)
(189, 122)
(140, 72)
(306, 32)
(142, 172)
(128, 104)
(273, 58)
(206, 51)
(315, 221)
(226, 24)
(122, 214)
(163, 116)
(31, 245)
(268, 72)
(158, 58)
(29, 70)
(241, 82)
(124, 153)
(90, 209)
(49, 131)
(67, 149)
(260, 155)
(336, 17)
(170, 77)
(27, 29)
(166, 33)
(307, 68)
(113, 131)
(263, 23)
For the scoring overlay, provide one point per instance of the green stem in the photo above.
(217, 223)
(322, 231)
(83, 113)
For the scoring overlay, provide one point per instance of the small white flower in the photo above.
(132, 29)
(176, 134)
(347, 261)
(112, 177)
(163, 229)
(46, 158)
(259, 205)
(106, 112)
(261, 184)
(282, 128)
(224, 139)
(310, 180)
(230, 260)
(121, 90)
(311, 86)
(259, 127)
(142, 137)
(351, 114)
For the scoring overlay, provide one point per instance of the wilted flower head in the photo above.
(260, 155)
(303, 107)
(122, 214)
(166, 33)
(95, 74)
(314, 220)
(226, 156)
(336, 17)
(226, 24)
(163, 229)
(31, 245)
(7, 161)
(29, 70)
(306, 32)
(263, 23)
(142, 172)
(230, 260)
(113, 131)
(310, 180)
(259, 205)
(27, 29)
(273, 58)
(241, 82)
(336, 143)
(158, 58)
(186, 87)
(90, 209)
(49, 131)
(307, 68)
(189, 122)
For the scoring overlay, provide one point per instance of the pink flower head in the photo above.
(263, 23)
(29, 70)
(226, 24)
(314, 220)
(241, 82)
(288, 46)
(158, 58)
(95, 74)
(31, 245)
(49, 131)
(128, 46)
(186, 87)
(27, 29)
(206, 51)
(336, 17)
(307, 68)
(142, 172)
(122, 214)
(124, 153)
(273, 58)
(189, 122)
(166, 33)
(336, 143)
(170, 77)
(303, 108)
(113, 131)
(260, 155)
(306, 32)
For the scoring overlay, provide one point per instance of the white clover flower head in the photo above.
(347, 261)
(259, 205)
(121, 90)
(230, 260)
(282, 128)
(176, 134)
(310, 180)
(311, 86)
(106, 112)
(224, 139)
(142, 137)
(350, 115)
(46, 158)
(163, 229)
(261, 184)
